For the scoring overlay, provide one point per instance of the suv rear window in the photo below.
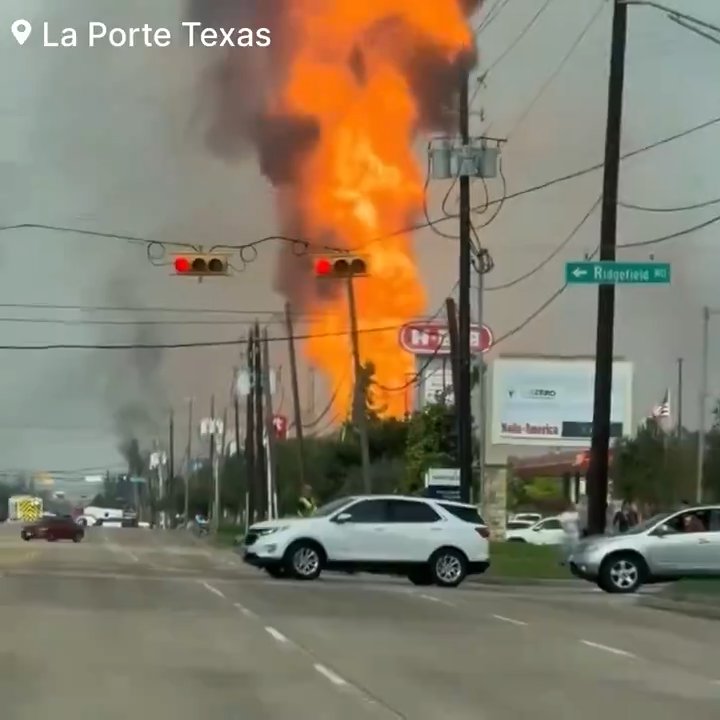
(467, 513)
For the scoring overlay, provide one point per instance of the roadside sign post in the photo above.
(606, 272)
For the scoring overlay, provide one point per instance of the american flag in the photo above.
(663, 409)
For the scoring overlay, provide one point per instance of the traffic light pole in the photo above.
(358, 393)
(599, 449)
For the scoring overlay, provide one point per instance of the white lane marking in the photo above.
(434, 599)
(608, 649)
(512, 621)
(245, 611)
(212, 588)
(334, 678)
(276, 634)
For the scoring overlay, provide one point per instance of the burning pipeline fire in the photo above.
(349, 88)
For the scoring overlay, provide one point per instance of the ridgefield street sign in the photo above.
(424, 338)
(606, 272)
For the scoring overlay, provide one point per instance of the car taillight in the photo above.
(483, 532)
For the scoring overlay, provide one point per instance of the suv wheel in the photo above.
(304, 561)
(50, 537)
(621, 574)
(77, 537)
(448, 567)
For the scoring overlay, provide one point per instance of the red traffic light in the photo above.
(182, 265)
(323, 266)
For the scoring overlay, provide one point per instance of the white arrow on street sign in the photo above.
(578, 272)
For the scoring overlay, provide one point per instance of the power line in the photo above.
(552, 255)
(518, 38)
(669, 209)
(305, 245)
(132, 323)
(600, 165)
(673, 235)
(526, 28)
(553, 76)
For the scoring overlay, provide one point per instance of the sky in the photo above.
(112, 141)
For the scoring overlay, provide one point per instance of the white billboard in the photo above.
(549, 402)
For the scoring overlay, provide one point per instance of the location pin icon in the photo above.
(21, 30)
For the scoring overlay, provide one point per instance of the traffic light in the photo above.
(341, 266)
(201, 265)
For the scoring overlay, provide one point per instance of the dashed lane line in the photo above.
(608, 649)
(247, 612)
(276, 635)
(509, 620)
(333, 677)
(212, 588)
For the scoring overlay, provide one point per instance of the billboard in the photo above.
(548, 402)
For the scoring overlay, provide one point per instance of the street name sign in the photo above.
(607, 272)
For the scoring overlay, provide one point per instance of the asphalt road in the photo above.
(152, 624)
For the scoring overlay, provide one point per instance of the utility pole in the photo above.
(219, 439)
(452, 323)
(451, 312)
(358, 391)
(236, 409)
(463, 376)
(269, 427)
(250, 461)
(260, 475)
(171, 464)
(213, 464)
(680, 398)
(188, 469)
(599, 449)
(297, 412)
(702, 427)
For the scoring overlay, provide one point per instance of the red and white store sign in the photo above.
(433, 339)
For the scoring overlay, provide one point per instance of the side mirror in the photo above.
(342, 518)
(537, 529)
(662, 531)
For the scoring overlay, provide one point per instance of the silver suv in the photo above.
(684, 543)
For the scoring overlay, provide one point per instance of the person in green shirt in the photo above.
(306, 502)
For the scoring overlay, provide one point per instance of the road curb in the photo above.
(682, 606)
(520, 581)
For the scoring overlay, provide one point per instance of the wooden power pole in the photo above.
(297, 411)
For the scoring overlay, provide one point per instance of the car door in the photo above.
(708, 547)
(674, 551)
(547, 532)
(359, 532)
(415, 531)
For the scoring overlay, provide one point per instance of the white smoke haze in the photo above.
(117, 141)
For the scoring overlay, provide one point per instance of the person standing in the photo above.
(570, 523)
(306, 502)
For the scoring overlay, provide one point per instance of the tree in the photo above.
(431, 442)
(654, 467)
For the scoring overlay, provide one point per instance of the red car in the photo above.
(53, 528)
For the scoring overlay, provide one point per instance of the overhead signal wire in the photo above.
(302, 246)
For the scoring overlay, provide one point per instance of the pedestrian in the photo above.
(570, 523)
(622, 521)
(306, 502)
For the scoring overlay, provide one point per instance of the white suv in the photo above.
(430, 541)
